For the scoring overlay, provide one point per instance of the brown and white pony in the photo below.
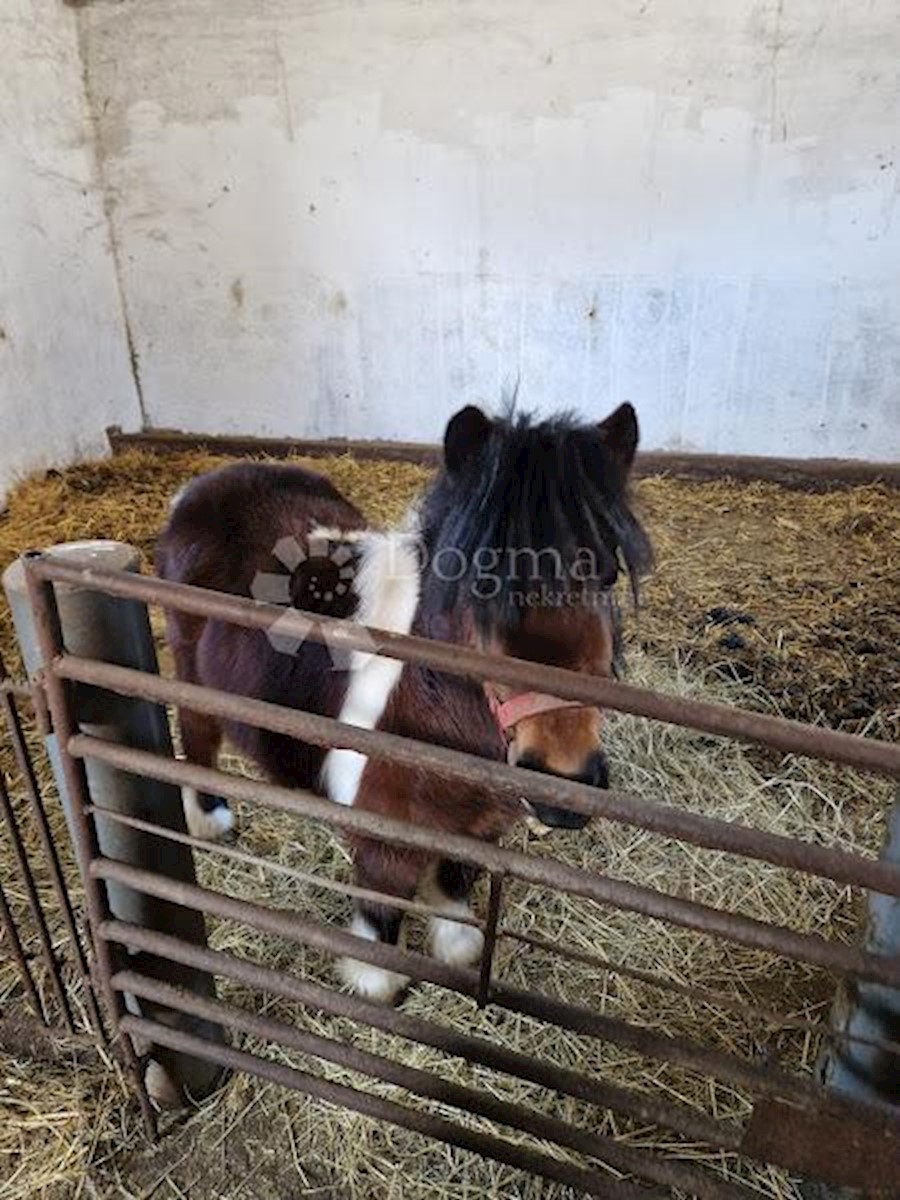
(514, 548)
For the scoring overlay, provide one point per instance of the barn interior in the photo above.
(330, 221)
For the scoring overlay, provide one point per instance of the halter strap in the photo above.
(508, 713)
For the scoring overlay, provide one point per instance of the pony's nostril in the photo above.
(596, 773)
(559, 818)
(530, 762)
(548, 814)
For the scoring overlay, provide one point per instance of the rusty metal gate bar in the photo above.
(591, 1182)
(426, 1084)
(10, 691)
(765, 1080)
(11, 936)
(70, 949)
(779, 733)
(549, 872)
(874, 1136)
(707, 832)
(84, 832)
(707, 996)
(45, 942)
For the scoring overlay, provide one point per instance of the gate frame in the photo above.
(795, 1122)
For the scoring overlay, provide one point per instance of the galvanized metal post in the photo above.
(118, 631)
(870, 1011)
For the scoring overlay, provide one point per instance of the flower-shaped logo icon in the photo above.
(317, 579)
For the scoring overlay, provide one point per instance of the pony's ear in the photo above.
(620, 434)
(465, 433)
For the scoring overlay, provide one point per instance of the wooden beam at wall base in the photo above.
(169, 441)
(809, 474)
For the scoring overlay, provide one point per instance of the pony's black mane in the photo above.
(535, 497)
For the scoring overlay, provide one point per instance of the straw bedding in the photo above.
(765, 598)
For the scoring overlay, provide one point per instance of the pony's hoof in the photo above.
(455, 944)
(371, 982)
(211, 822)
(162, 1087)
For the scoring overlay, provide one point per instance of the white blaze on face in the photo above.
(387, 584)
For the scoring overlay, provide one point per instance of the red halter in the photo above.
(508, 713)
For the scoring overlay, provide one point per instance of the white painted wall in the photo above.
(64, 366)
(347, 218)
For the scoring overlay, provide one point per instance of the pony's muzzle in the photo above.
(595, 774)
(559, 818)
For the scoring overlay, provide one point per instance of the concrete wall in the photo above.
(64, 366)
(342, 218)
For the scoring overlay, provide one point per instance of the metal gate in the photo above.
(795, 1122)
(44, 947)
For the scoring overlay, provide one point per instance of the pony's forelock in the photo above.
(534, 486)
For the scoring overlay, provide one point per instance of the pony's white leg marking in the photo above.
(211, 825)
(453, 943)
(387, 584)
(162, 1087)
(450, 941)
(374, 983)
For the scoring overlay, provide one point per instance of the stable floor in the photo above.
(767, 598)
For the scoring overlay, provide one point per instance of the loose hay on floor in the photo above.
(65, 1130)
(793, 592)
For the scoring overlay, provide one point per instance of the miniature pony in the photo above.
(514, 549)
